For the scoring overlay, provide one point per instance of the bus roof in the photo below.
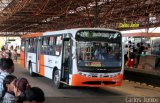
(73, 31)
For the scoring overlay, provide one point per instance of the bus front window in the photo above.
(98, 48)
(99, 54)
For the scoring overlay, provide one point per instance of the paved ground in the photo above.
(78, 95)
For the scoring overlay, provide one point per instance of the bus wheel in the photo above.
(30, 70)
(56, 80)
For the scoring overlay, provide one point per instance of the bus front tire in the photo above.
(56, 80)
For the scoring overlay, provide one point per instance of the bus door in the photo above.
(66, 60)
(38, 54)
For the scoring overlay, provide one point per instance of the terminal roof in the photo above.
(18, 17)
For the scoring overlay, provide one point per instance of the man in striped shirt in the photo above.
(6, 68)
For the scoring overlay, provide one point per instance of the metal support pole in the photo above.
(96, 14)
(148, 24)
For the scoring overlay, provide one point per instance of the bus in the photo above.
(90, 57)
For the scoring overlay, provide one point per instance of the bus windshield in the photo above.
(101, 51)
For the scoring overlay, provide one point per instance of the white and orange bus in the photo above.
(77, 57)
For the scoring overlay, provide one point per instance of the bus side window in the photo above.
(41, 45)
(51, 45)
(30, 47)
(34, 45)
(42, 48)
(58, 50)
(44, 45)
(58, 45)
(22, 45)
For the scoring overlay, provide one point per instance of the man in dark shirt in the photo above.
(140, 49)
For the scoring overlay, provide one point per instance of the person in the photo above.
(108, 54)
(15, 54)
(1, 54)
(157, 64)
(130, 44)
(8, 92)
(67, 57)
(6, 68)
(3, 48)
(6, 54)
(131, 56)
(140, 49)
(34, 95)
(9, 54)
(125, 54)
(109, 50)
(21, 85)
(98, 52)
(148, 50)
(11, 48)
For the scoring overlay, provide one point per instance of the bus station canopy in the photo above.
(18, 17)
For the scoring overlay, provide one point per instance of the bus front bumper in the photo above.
(79, 80)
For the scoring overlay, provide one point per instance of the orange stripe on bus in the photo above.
(22, 59)
(32, 35)
(78, 80)
(42, 65)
